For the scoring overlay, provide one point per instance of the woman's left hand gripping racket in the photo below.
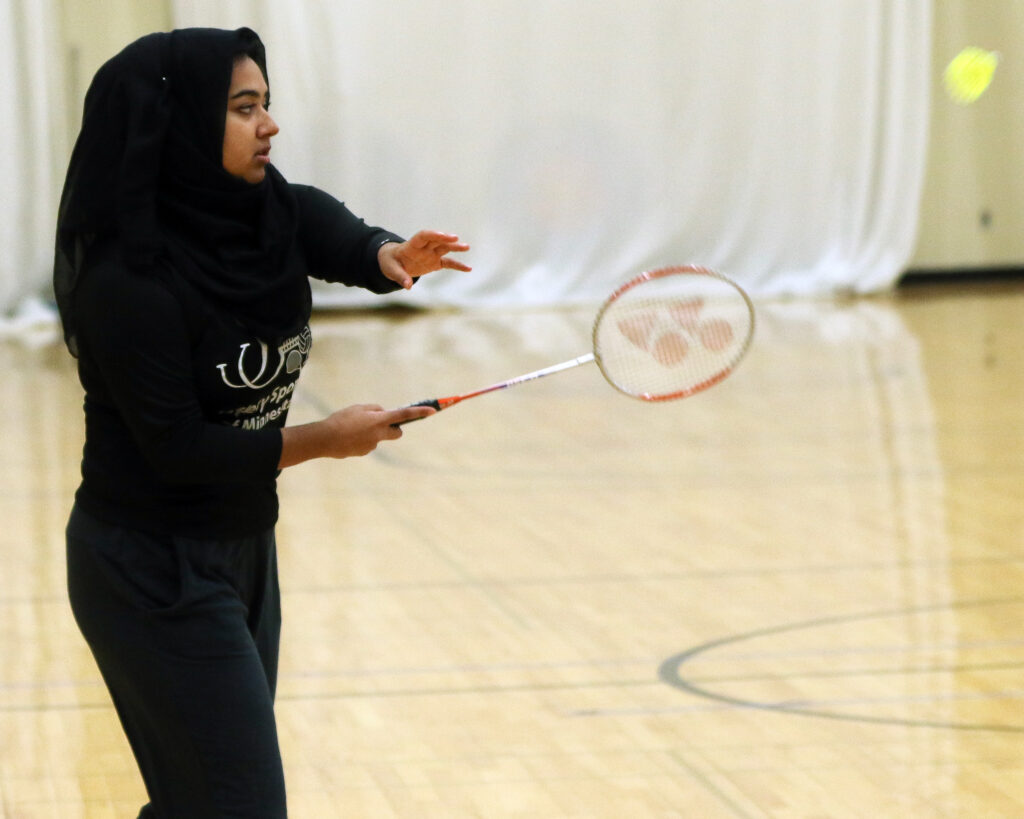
(666, 334)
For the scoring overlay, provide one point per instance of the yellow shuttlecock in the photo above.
(969, 74)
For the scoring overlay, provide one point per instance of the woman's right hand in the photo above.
(350, 432)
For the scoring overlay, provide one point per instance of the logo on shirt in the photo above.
(246, 374)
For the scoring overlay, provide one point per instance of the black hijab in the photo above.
(147, 173)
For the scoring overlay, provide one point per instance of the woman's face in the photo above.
(248, 126)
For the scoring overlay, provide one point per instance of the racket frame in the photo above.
(674, 270)
(594, 356)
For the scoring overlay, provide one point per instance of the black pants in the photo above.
(185, 633)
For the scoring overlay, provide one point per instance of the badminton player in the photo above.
(181, 269)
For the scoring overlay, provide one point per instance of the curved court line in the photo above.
(669, 671)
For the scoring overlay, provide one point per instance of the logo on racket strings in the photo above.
(669, 332)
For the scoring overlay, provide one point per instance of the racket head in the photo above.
(672, 332)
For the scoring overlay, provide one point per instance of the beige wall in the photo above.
(976, 153)
(95, 30)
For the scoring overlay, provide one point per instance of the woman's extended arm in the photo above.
(424, 253)
(340, 247)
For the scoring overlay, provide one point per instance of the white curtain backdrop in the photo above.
(576, 143)
(32, 106)
(572, 143)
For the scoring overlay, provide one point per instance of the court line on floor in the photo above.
(669, 671)
(477, 582)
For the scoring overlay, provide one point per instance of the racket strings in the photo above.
(672, 335)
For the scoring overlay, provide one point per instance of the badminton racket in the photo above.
(663, 335)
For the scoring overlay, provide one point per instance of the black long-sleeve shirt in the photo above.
(183, 406)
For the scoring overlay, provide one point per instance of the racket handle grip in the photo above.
(427, 402)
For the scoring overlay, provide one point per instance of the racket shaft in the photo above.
(501, 385)
(444, 403)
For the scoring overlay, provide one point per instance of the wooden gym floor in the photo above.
(797, 595)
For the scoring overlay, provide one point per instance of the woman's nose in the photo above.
(268, 127)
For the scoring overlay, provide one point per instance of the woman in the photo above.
(181, 276)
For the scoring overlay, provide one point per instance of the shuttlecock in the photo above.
(969, 73)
